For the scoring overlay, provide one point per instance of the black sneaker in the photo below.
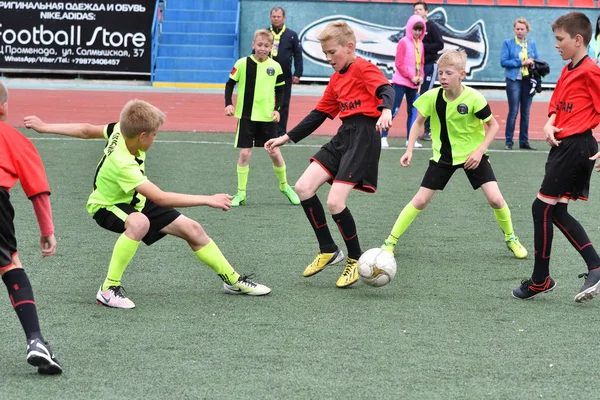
(590, 287)
(528, 288)
(40, 355)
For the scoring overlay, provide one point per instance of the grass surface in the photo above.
(445, 328)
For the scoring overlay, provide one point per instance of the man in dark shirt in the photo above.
(433, 43)
(286, 46)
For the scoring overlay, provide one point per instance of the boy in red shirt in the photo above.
(362, 96)
(19, 160)
(574, 110)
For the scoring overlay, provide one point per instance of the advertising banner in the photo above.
(76, 37)
(479, 30)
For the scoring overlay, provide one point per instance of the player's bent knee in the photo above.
(303, 190)
(335, 206)
(137, 224)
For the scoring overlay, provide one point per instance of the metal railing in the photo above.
(156, 29)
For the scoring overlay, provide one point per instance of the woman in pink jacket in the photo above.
(408, 71)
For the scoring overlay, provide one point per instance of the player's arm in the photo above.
(79, 130)
(43, 214)
(415, 131)
(170, 199)
(229, 108)
(550, 131)
(385, 93)
(491, 128)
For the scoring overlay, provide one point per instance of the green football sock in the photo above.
(406, 217)
(212, 256)
(281, 176)
(242, 173)
(504, 220)
(123, 252)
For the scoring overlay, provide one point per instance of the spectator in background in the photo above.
(594, 46)
(286, 46)
(408, 72)
(432, 43)
(516, 56)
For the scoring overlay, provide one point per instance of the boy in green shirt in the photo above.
(260, 94)
(126, 202)
(459, 141)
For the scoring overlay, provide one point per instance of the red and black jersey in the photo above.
(19, 159)
(576, 98)
(353, 91)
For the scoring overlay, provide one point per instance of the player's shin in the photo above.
(21, 298)
(123, 252)
(212, 256)
(406, 217)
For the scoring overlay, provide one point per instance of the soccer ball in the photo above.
(376, 267)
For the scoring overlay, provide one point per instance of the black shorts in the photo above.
(159, 217)
(8, 241)
(568, 168)
(352, 155)
(437, 175)
(254, 133)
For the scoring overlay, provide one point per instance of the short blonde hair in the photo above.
(337, 30)
(265, 33)
(3, 93)
(454, 58)
(140, 116)
(524, 22)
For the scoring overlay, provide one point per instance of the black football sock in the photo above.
(316, 216)
(21, 298)
(543, 233)
(576, 235)
(347, 227)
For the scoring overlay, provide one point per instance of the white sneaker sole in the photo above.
(43, 361)
(588, 294)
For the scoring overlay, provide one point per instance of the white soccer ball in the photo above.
(376, 267)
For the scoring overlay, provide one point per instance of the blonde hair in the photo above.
(3, 93)
(140, 116)
(454, 58)
(337, 30)
(524, 22)
(265, 33)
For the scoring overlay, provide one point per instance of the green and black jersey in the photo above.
(118, 174)
(256, 87)
(456, 126)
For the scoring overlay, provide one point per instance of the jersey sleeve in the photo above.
(328, 103)
(235, 72)
(373, 77)
(109, 129)
(279, 74)
(481, 108)
(29, 168)
(594, 87)
(426, 102)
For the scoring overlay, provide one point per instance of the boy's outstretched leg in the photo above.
(543, 234)
(280, 172)
(406, 217)
(579, 239)
(502, 213)
(209, 253)
(39, 353)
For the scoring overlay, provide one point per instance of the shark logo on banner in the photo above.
(377, 43)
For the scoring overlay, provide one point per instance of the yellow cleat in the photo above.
(239, 199)
(321, 261)
(350, 274)
(291, 195)
(516, 247)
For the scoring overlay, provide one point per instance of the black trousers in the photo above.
(285, 107)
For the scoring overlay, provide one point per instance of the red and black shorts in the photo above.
(569, 168)
(352, 155)
(158, 216)
(254, 133)
(438, 175)
(8, 241)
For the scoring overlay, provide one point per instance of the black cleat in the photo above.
(590, 287)
(40, 355)
(528, 288)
